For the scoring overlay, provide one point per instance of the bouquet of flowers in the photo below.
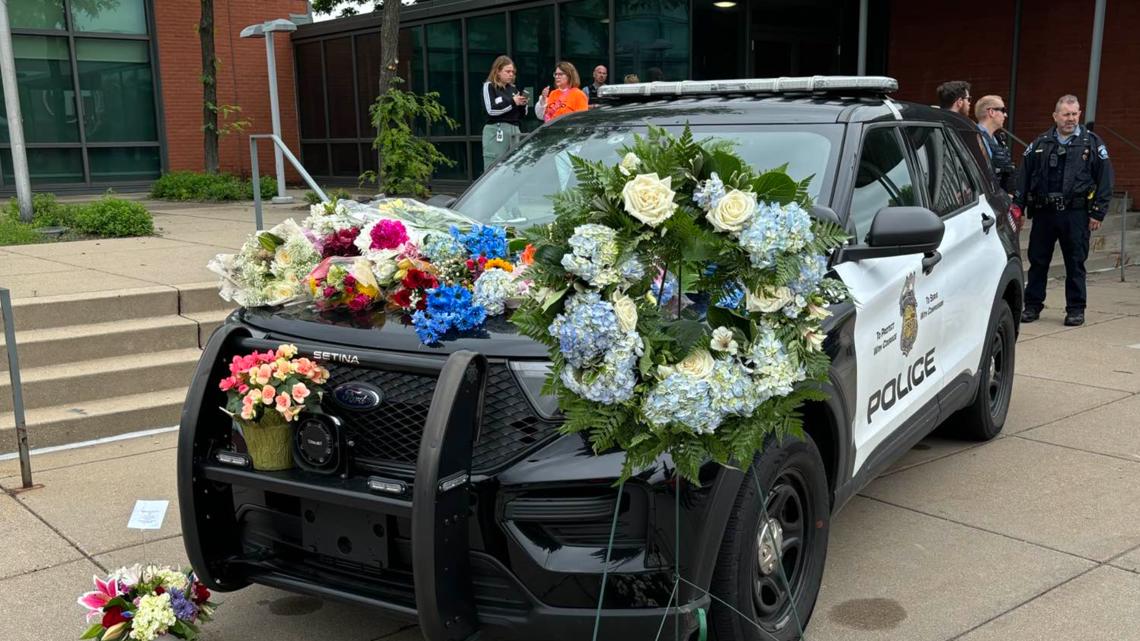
(265, 392)
(681, 296)
(269, 269)
(144, 603)
(338, 282)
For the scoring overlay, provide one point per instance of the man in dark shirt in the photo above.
(600, 76)
(955, 96)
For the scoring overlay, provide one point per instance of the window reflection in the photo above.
(532, 32)
(652, 40)
(445, 71)
(114, 16)
(118, 92)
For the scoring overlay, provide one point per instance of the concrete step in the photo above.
(203, 297)
(99, 307)
(207, 322)
(82, 421)
(56, 346)
(103, 378)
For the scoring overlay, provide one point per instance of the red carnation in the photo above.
(201, 593)
(402, 298)
(418, 279)
(329, 291)
(112, 616)
(359, 303)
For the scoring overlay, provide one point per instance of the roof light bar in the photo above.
(806, 84)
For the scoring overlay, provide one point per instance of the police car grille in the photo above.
(389, 435)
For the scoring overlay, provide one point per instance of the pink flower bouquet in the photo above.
(265, 392)
(143, 603)
(341, 282)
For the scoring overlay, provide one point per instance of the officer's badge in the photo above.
(1102, 151)
(908, 309)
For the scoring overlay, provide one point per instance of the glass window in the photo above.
(486, 40)
(310, 89)
(338, 82)
(345, 161)
(47, 95)
(47, 166)
(517, 190)
(117, 89)
(115, 164)
(36, 14)
(883, 179)
(585, 26)
(652, 40)
(315, 158)
(368, 77)
(532, 35)
(445, 71)
(948, 187)
(117, 16)
(456, 151)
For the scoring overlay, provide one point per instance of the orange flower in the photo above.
(499, 263)
(527, 257)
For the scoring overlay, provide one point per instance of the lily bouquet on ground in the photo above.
(142, 603)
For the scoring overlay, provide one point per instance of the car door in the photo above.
(898, 369)
(972, 254)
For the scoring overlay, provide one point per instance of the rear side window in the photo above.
(883, 178)
(941, 170)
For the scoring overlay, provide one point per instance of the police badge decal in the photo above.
(908, 309)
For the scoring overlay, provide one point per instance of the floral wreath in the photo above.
(681, 296)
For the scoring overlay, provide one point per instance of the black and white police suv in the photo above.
(399, 510)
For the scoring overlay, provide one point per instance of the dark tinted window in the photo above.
(339, 84)
(883, 179)
(941, 170)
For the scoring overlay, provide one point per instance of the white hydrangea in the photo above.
(153, 617)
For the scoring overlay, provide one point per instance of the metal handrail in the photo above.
(257, 175)
(1116, 133)
(17, 390)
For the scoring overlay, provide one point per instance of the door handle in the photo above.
(929, 260)
(987, 222)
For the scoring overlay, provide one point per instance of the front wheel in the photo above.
(984, 418)
(771, 560)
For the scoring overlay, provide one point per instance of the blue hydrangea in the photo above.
(776, 229)
(440, 249)
(614, 379)
(812, 271)
(449, 307)
(483, 240)
(593, 253)
(586, 330)
(683, 399)
(775, 371)
(631, 270)
(493, 289)
(666, 293)
(709, 192)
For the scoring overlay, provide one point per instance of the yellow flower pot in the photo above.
(269, 442)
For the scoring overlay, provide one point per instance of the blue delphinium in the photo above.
(449, 307)
(483, 240)
(776, 229)
(709, 192)
(586, 330)
(593, 252)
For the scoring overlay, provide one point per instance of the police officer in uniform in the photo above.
(1066, 180)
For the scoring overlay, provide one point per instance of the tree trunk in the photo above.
(209, 86)
(389, 50)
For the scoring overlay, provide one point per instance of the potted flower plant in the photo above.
(266, 392)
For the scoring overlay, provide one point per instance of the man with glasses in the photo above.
(955, 96)
(1066, 179)
(991, 113)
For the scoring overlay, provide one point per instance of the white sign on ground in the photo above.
(148, 515)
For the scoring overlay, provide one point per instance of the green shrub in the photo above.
(114, 218)
(46, 211)
(17, 233)
(190, 185)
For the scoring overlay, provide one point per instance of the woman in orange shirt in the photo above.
(565, 98)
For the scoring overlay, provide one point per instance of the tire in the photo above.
(794, 479)
(984, 418)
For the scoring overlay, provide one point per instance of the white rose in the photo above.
(733, 211)
(768, 301)
(629, 163)
(626, 311)
(698, 364)
(282, 257)
(722, 341)
(649, 198)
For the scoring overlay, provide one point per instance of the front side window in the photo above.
(882, 180)
(941, 170)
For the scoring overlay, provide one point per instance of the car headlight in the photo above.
(532, 376)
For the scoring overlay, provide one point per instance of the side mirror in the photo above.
(898, 231)
(442, 200)
(825, 214)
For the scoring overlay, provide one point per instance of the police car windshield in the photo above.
(517, 191)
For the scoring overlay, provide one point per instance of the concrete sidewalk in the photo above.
(1034, 536)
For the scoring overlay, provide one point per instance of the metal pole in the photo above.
(1094, 64)
(1123, 234)
(1013, 65)
(275, 111)
(862, 64)
(17, 391)
(15, 120)
(256, 182)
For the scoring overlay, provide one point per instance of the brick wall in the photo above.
(939, 40)
(242, 80)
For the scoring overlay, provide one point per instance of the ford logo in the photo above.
(358, 396)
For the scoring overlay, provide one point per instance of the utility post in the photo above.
(266, 30)
(15, 120)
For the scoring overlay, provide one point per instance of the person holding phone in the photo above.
(505, 106)
(566, 97)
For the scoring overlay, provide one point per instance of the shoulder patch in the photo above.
(1102, 151)
(1029, 148)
